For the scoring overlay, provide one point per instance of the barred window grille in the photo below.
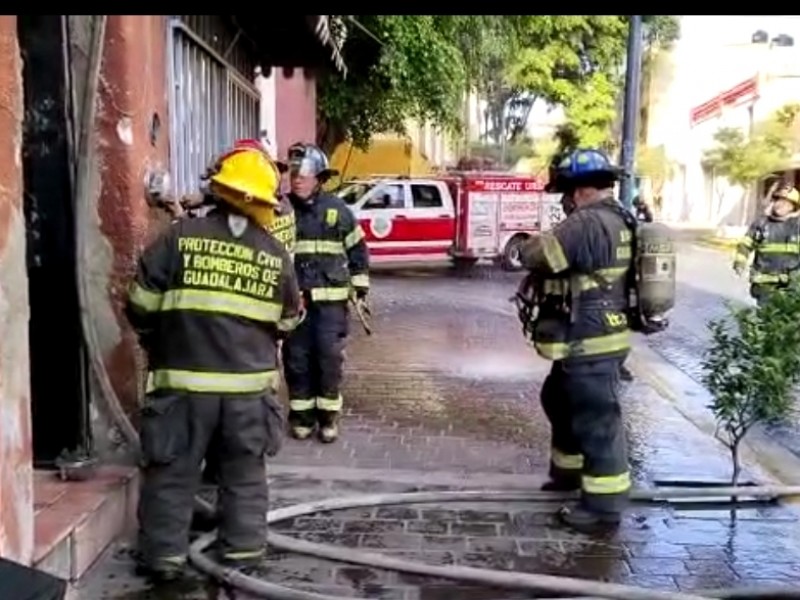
(211, 106)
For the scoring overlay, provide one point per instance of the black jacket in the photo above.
(776, 245)
(582, 265)
(209, 305)
(330, 255)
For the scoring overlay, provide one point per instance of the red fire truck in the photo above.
(461, 217)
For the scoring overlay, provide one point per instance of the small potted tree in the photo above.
(751, 367)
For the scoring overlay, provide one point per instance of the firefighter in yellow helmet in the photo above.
(283, 227)
(774, 241)
(210, 298)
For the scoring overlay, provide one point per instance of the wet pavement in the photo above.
(444, 396)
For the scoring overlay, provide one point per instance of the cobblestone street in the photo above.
(444, 396)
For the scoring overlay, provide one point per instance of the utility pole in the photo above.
(630, 117)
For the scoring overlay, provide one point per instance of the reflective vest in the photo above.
(209, 306)
(582, 313)
(776, 244)
(330, 254)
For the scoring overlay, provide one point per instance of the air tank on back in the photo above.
(656, 270)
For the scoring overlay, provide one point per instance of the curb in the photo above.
(773, 458)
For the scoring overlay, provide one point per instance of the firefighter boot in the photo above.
(565, 484)
(561, 478)
(328, 426)
(162, 571)
(247, 562)
(299, 432)
(302, 423)
(588, 521)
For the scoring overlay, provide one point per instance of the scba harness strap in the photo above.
(636, 320)
(529, 293)
(526, 300)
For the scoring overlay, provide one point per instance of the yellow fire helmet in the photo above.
(249, 181)
(789, 193)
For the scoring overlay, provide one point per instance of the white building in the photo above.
(714, 77)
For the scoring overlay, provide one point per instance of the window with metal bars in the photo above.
(211, 105)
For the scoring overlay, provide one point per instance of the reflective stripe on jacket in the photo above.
(209, 306)
(775, 245)
(583, 264)
(330, 254)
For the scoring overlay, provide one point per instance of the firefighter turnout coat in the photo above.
(330, 254)
(583, 264)
(775, 244)
(199, 284)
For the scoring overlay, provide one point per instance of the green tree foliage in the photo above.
(488, 44)
(577, 62)
(652, 162)
(411, 66)
(751, 366)
(744, 160)
(660, 33)
(567, 60)
(520, 148)
(399, 67)
(544, 150)
(592, 111)
(420, 66)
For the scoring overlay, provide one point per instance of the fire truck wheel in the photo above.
(510, 259)
(463, 263)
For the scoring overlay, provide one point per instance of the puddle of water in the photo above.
(485, 365)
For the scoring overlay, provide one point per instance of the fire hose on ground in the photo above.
(534, 583)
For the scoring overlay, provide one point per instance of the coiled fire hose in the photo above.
(575, 588)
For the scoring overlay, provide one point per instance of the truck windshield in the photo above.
(351, 192)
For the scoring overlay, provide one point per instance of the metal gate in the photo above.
(210, 104)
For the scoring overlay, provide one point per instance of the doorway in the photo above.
(59, 389)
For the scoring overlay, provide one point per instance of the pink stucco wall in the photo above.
(296, 107)
(134, 72)
(16, 462)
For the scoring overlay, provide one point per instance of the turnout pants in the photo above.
(176, 430)
(588, 447)
(312, 364)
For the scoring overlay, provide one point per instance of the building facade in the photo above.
(716, 77)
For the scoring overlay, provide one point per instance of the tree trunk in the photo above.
(737, 471)
(467, 140)
(329, 136)
(736, 463)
